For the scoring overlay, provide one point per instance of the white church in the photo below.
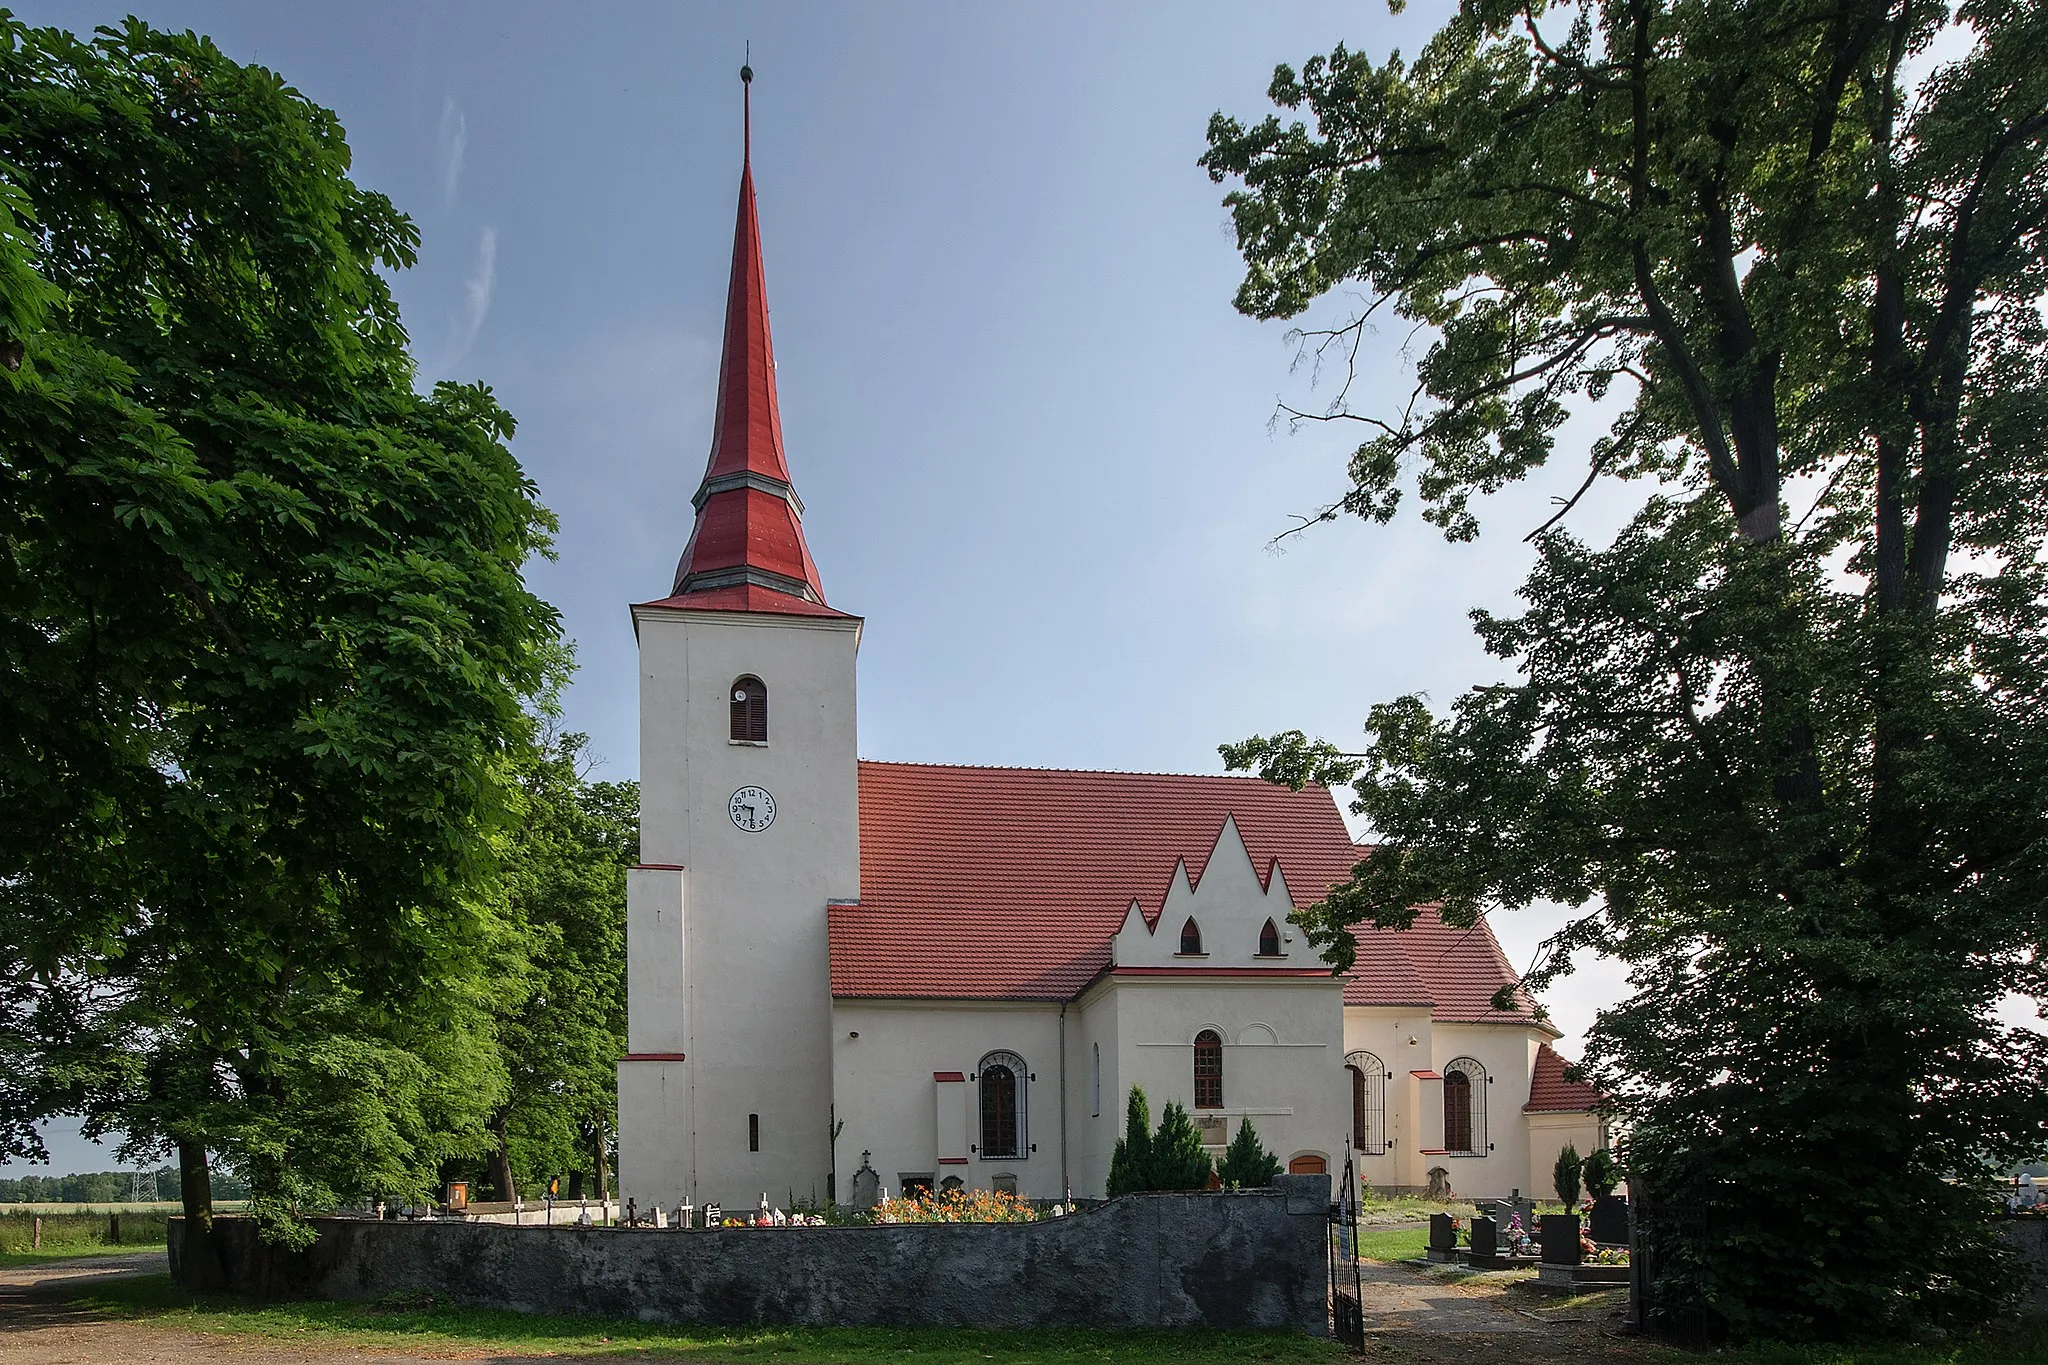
(954, 974)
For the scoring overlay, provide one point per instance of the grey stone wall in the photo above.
(2029, 1237)
(1236, 1259)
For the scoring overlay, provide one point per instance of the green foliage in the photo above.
(1601, 1172)
(1784, 741)
(1130, 1165)
(1247, 1165)
(265, 645)
(561, 1008)
(1178, 1161)
(1170, 1158)
(1565, 1176)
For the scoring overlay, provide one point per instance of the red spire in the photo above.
(749, 531)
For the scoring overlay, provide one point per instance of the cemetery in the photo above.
(1250, 1259)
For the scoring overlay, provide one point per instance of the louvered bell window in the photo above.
(750, 710)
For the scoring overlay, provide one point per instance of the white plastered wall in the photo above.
(1508, 1053)
(885, 1094)
(1385, 1032)
(751, 1004)
(1548, 1133)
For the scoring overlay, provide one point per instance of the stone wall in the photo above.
(1238, 1259)
(2029, 1237)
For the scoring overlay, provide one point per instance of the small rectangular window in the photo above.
(753, 1132)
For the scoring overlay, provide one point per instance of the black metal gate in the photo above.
(1653, 1226)
(1347, 1290)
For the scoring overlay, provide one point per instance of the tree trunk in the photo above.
(601, 1159)
(200, 1262)
(499, 1171)
(575, 1184)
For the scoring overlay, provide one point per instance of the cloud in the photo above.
(476, 300)
(453, 142)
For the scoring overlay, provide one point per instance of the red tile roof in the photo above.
(1008, 883)
(747, 597)
(1550, 1092)
(749, 529)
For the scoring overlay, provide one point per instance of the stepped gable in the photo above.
(1008, 883)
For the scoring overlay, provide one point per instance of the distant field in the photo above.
(78, 1231)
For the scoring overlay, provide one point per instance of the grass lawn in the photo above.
(420, 1326)
(1392, 1244)
(29, 1256)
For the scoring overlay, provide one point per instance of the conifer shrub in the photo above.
(1601, 1172)
(1565, 1175)
(1178, 1161)
(1130, 1165)
(1247, 1165)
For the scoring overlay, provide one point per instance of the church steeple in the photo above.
(749, 534)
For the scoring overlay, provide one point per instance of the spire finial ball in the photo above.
(746, 75)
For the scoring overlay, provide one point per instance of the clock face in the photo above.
(752, 809)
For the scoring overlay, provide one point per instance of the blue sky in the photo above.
(1033, 439)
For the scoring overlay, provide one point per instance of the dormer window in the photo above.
(1191, 938)
(1269, 940)
(749, 710)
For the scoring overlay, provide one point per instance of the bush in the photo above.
(1130, 1166)
(1565, 1175)
(1601, 1173)
(1248, 1165)
(1178, 1161)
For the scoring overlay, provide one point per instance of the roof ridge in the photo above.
(1086, 772)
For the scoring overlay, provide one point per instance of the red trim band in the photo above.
(1436, 1151)
(1427, 1075)
(659, 867)
(950, 1076)
(952, 1161)
(1225, 971)
(654, 1057)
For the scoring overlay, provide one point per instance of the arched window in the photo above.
(1465, 1108)
(1097, 1111)
(1191, 937)
(1208, 1068)
(1368, 1103)
(1002, 1077)
(1269, 940)
(750, 710)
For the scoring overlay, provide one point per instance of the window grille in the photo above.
(1002, 1078)
(1208, 1069)
(1368, 1103)
(750, 710)
(1465, 1108)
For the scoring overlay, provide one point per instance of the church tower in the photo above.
(749, 823)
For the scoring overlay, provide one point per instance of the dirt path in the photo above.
(1421, 1316)
(39, 1323)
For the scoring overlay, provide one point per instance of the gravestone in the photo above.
(1485, 1253)
(1608, 1223)
(1443, 1237)
(867, 1186)
(1560, 1239)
